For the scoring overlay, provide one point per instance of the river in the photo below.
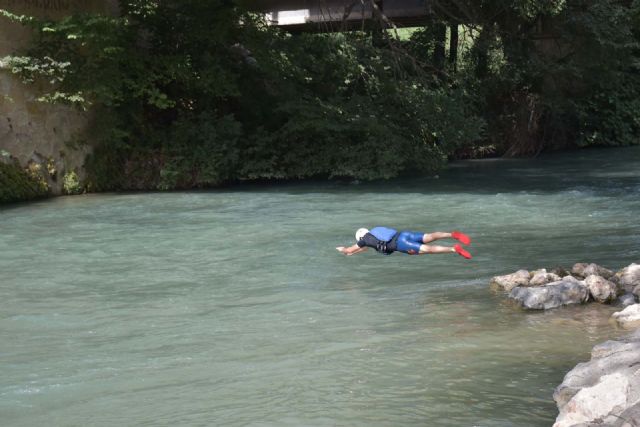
(232, 307)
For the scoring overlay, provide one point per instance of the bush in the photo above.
(71, 183)
(18, 185)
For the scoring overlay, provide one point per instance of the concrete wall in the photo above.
(31, 129)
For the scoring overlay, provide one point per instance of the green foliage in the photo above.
(71, 183)
(16, 184)
(357, 112)
(556, 74)
(600, 79)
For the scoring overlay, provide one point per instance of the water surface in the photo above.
(233, 308)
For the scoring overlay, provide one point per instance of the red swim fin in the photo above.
(462, 252)
(461, 237)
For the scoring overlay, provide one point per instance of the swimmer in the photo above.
(387, 240)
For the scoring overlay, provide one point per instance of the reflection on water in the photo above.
(232, 307)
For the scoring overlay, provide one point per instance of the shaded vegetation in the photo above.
(193, 94)
(17, 184)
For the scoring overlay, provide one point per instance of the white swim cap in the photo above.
(360, 233)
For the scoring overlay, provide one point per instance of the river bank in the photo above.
(606, 389)
(43, 177)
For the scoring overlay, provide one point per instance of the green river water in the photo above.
(232, 307)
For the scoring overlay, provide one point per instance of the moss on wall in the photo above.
(17, 185)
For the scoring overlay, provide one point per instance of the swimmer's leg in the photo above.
(432, 249)
(437, 235)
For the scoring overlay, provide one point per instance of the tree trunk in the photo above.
(440, 45)
(377, 31)
(453, 46)
(481, 51)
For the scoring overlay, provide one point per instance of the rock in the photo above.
(542, 278)
(626, 300)
(629, 277)
(534, 272)
(598, 271)
(601, 289)
(552, 295)
(570, 279)
(583, 270)
(37, 158)
(629, 317)
(615, 279)
(592, 403)
(629, 418)
(510, 281)
(578, 269)
(601, 391)
(560, 271)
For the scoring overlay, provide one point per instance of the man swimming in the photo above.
(387, 240)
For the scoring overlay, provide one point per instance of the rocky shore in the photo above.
(606, 390)
(544, 289)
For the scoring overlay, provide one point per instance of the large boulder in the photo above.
(510, 281)
(605, 390)
(552, 295)
(583, 270)
(629, 317)
(601, 289)
(629, 277)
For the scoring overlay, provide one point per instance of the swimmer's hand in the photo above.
(352, 250)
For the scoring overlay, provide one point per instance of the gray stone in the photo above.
(629, 317)
(583, 270)
(626, 300)
(615, 279)
(629, 277)
(570, 279)
(601, 289)
(578, 269)
(510, 281)
(538, 271)
(552, 295)
(629, 418)
(605, 390)
(598, 271)
(542, 278)
(37, 158)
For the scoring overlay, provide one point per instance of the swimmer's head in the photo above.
(360, 233)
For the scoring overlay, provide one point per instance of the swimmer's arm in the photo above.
(351, 250)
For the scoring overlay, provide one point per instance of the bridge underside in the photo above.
(334, 15)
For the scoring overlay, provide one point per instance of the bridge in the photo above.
(333, 15)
